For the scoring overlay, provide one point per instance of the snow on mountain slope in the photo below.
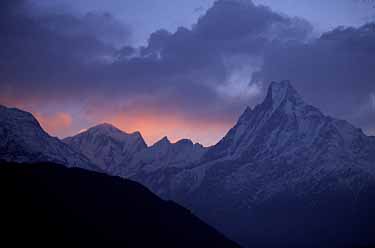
(119, 153)
(23, 140)
(282, 151)
(284, 141)
(156, 166)
(107, 146)
(164, 154)
(285, 127)
(281, 130)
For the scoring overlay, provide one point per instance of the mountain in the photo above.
(153, 166)
(285, 127)
(285, 175)
(50, 205)
(23, 140)
(107, 146)
(127, 155)
(165, 154)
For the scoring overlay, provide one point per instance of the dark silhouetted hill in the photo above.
(51, 205)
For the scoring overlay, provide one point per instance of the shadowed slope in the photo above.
(53, 205)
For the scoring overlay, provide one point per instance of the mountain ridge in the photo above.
(22, 139)
(282, 154)
(281, 149)
(107, 146)
(287, 109)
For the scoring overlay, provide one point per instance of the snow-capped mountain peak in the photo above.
(113, 132)
(22, 139)
(283, 95)
(163, 156)
(107, 146)
(284, 125)
(280, 91)
(281, 154)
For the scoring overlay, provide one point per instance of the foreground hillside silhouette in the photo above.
(46, 204)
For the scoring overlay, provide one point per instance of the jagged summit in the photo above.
(283, 162)
(280, 96)
(162, 142)
(162, 156)
(281, 93)
(281, 126)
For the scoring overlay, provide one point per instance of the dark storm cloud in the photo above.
(49, 55)
(190, 64)
(335, 72)
(209, 71)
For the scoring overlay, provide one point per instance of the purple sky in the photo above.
(186, 69)
(146, 16)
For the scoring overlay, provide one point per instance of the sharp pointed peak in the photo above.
(282, 83)
(281, 87)
(278, 91)
(137, 134)
(163, 141)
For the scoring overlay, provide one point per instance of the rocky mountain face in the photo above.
(127, 155)
(107, 146)
(165, 154)
(284, 175)
(23, 140)
(284, 127)
(154, 167)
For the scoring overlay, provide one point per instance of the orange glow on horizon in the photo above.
(55, 124)
(153, 128)
(152, 125)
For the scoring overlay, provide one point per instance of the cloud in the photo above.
(47, 54)
(205, 74)
(334, 72)
(57, 57)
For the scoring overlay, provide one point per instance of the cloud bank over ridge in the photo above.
(195, 77)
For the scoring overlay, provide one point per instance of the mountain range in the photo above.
(285, 175)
